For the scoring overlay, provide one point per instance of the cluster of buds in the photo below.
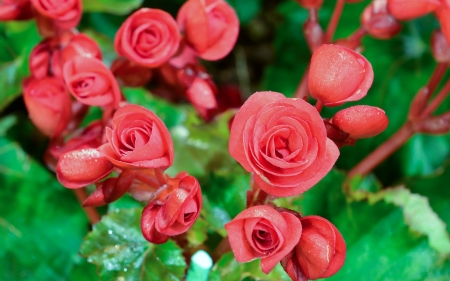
(128, 149)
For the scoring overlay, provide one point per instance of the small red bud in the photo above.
(131, 74)
(411, 9)
(361, 121)
(440, 47)
(79, 168)
(202, 97)
(443, 15)
(339, 74)
(378, 22)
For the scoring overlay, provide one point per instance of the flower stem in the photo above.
(383, 151)
(334, 20)
(221, 249)
(440, 97)
(91, 212)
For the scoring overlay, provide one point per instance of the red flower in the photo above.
(411, 9)
(48, 104)
(320, 253)
(15, 10)
(378, 22)
(263, 232)
(138, 139)
(91, 82)
(211, 27)
(361, 121)
(149, 37)
(283, 141)
(65, 13)
(339, 74)
(173, 211)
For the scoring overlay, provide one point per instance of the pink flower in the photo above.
(138, 139)
(173, 211)
(283, 141)
(263, 232)
(65, 13)
(149, 37)
(48, 104)
(339, 74)
(320, 253)
(91, 82)
(211, 27)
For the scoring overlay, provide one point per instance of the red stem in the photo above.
(221, 249)
(91, 212)
(440, 97)
(319, 106)
(383, 151)
(334, 20)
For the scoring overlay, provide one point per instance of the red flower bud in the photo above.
(378, 22)
(65, 14)
(138, 139)
(175, 213)
(79, 168)
(80, 45)
(411, 9)
(211, 27)
(202, 97)
(310, 4)
(149, 37)
(361, 121)
(320, 253)
(338, 75)
(110, 190)
(48, 104)
(91, 82)
(443, 15)
(440, 47)
(263, 232)
(130, 74)
(15, 10)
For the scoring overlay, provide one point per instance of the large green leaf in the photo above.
(117, 247)
(41, 223)
(117, 7)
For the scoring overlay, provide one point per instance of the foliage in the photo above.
(399, 233)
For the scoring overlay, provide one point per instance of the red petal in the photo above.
(82, 167)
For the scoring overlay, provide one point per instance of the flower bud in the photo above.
(310, 4)
(202, 97)
(110, 190)
(79, 168)
(48, 104)
(339, 74)
(411, 9)
(175, 213)
(443, 15)
(320, 253)
(80, 45)
(361, 121)
(440, 47)
(15, 10)
(378, 22)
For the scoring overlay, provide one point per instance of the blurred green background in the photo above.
(395, 223)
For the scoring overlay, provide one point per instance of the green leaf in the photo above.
(117, 247)
(170, 114)
(246, 10)
(41, 223)
(228, 269)
(117, 7)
